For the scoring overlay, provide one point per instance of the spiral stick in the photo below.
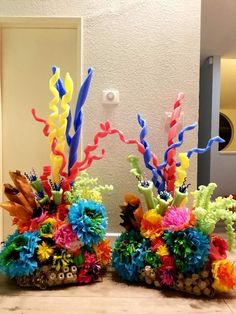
(46, 127)
(89, 158)
(177, 144)
(170, 168)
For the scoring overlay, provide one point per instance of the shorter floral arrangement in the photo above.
(59, 216)
(172, 245)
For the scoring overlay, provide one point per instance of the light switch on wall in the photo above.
(110, 97)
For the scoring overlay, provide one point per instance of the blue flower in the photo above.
(190, 247)
(88, 220)
(17, 256)
(128, 256)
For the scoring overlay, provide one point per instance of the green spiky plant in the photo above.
(86, 187)
(208, 213)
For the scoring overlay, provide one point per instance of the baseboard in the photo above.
(112, 236)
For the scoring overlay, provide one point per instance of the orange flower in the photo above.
(151, 226)
(224, 274)
(103, 252)
(22, 226)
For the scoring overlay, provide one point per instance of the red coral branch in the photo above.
(46, 127)
(89, 158)
(170, 169)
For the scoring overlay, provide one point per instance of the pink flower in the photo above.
(35, 222)
(91, 269)
(176, 219)
(165, 277)
(66, 238)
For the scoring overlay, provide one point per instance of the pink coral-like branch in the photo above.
(46, 127)
(89, 158)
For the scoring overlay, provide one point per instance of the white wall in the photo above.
(149, 51)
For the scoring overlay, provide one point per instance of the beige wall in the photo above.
(149, 51)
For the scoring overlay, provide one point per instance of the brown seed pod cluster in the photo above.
(198, 284)
(148, 276)
(46, 276)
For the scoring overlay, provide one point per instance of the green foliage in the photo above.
(135, 168)
(152, 259)
(202, 197)
(208, 213)
(88, 188)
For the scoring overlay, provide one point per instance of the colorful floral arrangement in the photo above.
(172, 245)
(60, 218)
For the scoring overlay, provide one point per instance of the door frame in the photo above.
(37, 22)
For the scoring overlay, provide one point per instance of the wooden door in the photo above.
(28, 50)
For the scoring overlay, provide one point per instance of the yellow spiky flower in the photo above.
(44, 252)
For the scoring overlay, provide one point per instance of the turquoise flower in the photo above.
(17, 256)
(190, 248)
(88, 220)
(129, 253)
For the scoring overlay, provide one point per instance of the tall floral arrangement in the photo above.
(59, 215)
(173, 244)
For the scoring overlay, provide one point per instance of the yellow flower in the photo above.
(48, 227)
(224, 274)
(44, 251)
(151, 226)
(163, 250)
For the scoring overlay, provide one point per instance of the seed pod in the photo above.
(69, 278)
(43, 284)
(69, 275)
(148, 270)
(207, 291)
(148, 280)
(52, 276)
(179, 284)
(188, 281)
(196, 290)
(60, 276)
(65, 269)
(202, 284)
(189, 289)
(73, 269)
(195, 277)
(157, 283)
(152, 275)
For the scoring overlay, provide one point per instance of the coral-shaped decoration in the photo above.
(60, 217)
(174, 244)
